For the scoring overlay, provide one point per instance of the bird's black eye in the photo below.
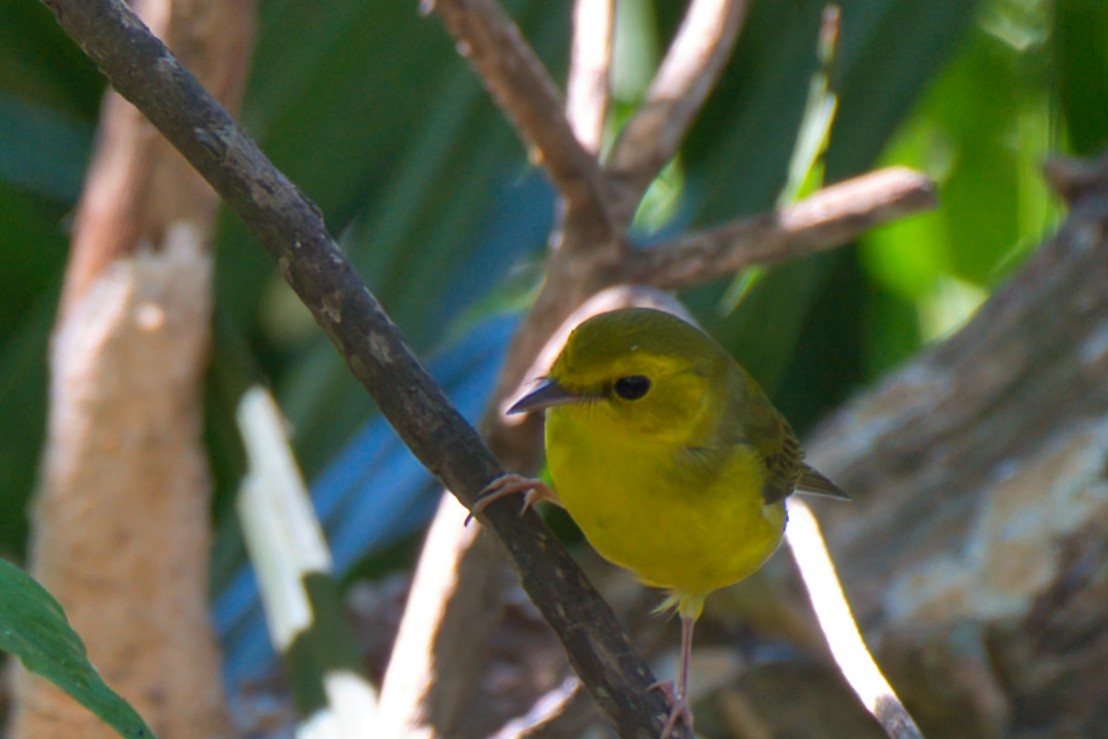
(633, 387)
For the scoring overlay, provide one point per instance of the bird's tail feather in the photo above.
(814, 483)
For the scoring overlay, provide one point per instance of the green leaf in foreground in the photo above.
(33, 627)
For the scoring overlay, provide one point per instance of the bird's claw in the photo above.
(506, 486)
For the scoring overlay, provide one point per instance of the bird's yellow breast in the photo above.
(679, 520)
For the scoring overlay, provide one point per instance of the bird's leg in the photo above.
(679, 707)
(508, 485)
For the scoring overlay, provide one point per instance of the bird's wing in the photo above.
(751, 419)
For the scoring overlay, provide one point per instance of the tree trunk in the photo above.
(121, 521)
(976, 553)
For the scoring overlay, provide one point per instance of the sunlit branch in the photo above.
(589, 70)
(837, 623)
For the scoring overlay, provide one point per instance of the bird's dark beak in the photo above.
(548, 393)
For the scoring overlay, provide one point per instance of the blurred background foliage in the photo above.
(369, 109)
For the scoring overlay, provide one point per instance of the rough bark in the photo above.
(975, 554)
(121, 519)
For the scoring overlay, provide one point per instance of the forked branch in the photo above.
(520, 85)
(687, 75)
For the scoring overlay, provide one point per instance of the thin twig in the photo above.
(835, 619)
(828, 219)
(587, 91)
(521, 86)
(688, 74)
(292, 230)
(561, 712)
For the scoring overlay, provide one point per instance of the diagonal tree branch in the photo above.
(687, 75)
(292, 230)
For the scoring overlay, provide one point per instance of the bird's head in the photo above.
(635, 371)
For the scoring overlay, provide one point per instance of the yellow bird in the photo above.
(668, 456)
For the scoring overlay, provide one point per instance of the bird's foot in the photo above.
(508, 485)
(679, 708)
